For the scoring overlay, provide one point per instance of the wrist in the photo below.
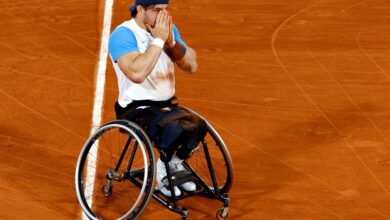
(158, 42)
(172, 45)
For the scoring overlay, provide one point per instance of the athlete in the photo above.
(144, 51)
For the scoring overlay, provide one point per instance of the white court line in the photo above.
(99, 95)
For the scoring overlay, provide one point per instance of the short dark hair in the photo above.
(135, 12)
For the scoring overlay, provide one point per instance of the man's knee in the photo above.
(197, 125)
(194, 129)
(188, 126)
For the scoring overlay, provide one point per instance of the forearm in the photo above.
(189, 62)
(144, 63)
(138, 67)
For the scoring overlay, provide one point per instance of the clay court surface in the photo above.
(299, 90)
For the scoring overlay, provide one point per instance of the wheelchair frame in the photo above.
(214, 191)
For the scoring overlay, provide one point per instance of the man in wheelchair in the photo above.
(143, 52)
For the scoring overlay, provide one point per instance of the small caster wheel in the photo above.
(184, 213)
(107, 190)
(222, 214)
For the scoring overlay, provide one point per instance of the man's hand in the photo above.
(161, 28)
(171, 40)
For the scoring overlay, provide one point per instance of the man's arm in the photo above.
(188, 63)
(137, 66)
(184, 56)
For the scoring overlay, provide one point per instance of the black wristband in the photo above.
(177, 52)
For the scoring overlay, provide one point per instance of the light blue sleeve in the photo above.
(121, 42)
(176, 36)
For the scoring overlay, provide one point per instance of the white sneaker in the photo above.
(160, 174)
(176, 164)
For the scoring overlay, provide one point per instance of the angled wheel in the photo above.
(211, 162)
(115, 172)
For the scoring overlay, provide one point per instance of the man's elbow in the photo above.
(193, 68)
(188, 67)
(137, 78)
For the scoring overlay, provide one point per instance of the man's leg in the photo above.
(195, 130)
(169, 141)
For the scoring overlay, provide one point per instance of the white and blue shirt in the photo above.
(160, 83)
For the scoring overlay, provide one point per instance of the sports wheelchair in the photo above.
(115, 173)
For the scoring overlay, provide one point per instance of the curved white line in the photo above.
(273, 42)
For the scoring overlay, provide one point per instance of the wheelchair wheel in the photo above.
(211, 162)
(115, 172)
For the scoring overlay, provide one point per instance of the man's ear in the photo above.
(140, 9)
